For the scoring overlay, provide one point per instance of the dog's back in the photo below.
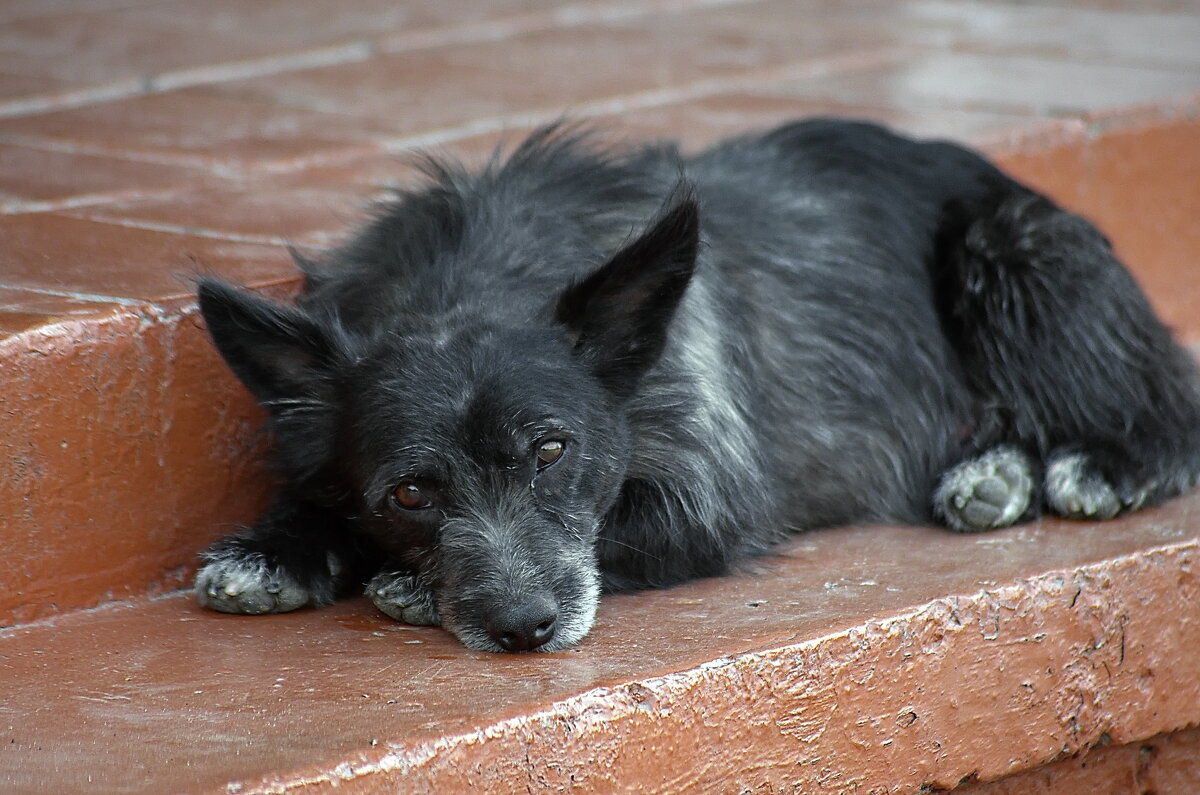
(807, 382)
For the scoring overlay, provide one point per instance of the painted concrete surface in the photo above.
(881, 659)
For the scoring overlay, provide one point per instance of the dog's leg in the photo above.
(403, 596)
(1054, 335)
(296, 555)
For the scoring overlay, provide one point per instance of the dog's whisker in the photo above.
(299, 402)
(607, 540)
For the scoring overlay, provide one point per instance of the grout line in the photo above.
(135, 155)
(27, 206)
(92, 95)
(261, 67)
(186, 78)
(95, 298)
(230, 167)
(180, 229)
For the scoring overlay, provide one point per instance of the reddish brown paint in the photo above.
(877, 658)
(122, 454)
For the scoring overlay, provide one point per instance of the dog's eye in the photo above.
(548, 452)
(410, 497)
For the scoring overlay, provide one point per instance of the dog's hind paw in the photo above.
(245, 584)
(404, 598)
(983, 493)
(1076, 489)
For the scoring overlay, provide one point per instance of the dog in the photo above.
(587, 368)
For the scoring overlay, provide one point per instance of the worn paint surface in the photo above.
(122, 455)
(862, 659)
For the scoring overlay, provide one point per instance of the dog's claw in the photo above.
(404, 598)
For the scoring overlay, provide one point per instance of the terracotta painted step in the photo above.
(879, 658)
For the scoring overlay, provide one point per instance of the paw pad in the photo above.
(987, 492)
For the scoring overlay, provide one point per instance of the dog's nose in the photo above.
(523, 627)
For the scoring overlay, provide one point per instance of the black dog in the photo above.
(584, 369)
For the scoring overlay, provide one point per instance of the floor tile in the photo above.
(12, 10)
(245, 697)
(27, 311)
(270, 211)
(190, 127)
(89, 48)
(86, 258)
(16, 87)
(282, 25)
(1128, 35)
(127, 448)
(1003, 83)
(702, 121)
(38, 176)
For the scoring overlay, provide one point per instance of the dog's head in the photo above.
(480, 453)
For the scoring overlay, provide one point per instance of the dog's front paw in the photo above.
(993, 490)
(1076, 489)
(403, 597)
(244, 583)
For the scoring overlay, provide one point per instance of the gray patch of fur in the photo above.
(575, 619)
(718, 415)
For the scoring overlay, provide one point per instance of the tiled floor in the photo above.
(144, 141)
(169, 121)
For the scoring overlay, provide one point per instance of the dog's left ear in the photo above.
(619, 313)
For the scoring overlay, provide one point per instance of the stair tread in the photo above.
(162, 695)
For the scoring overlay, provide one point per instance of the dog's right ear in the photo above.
(278, 352)
(619, 313)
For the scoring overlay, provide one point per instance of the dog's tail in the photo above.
(1056, 339)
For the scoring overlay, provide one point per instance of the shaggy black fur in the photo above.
(583, 368)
